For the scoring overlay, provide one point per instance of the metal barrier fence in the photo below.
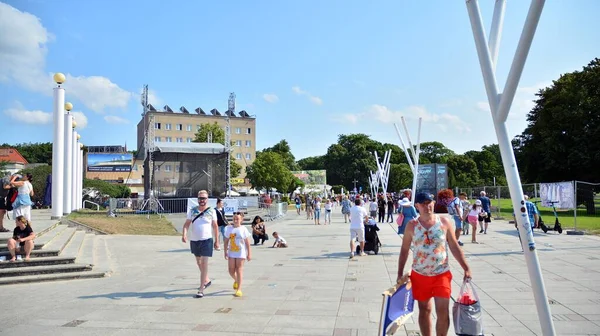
(585, 215)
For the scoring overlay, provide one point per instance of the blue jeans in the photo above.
(222, 233)
(457, 222)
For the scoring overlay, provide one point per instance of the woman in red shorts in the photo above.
(431, 236)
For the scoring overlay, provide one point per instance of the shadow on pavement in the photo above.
(175, 251)
(170, 294)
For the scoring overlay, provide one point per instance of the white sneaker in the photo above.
(362, 254)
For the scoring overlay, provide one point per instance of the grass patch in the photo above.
(129, 225)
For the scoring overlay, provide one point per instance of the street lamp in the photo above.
(58, 147)
(69, 132)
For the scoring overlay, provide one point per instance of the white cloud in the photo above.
(314, 99)
(80, 119)
(23, 48)
(383, 114)
(22, 115)
(115, 120)
(270, 98)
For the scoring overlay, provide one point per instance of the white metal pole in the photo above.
(73, 177)
(500, 109)
(416, 164)
(575, 209)
(58, 151)
(408, 159)
(79, 177)
(68, 159)
(496, 31)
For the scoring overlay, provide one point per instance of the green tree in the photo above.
(40, 174)
(113, 190)
(434, 152)
(283, 149)
(351, 158)
(462, 171)
(218, 136)
(561, 140)
(400, 177)
(33, 152)
(294, 184)
(489, 166)
(312, 163)
(269, 171)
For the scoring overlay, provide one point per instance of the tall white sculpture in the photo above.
(413, 162)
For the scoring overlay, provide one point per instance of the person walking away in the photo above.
(22, 239)
(203, 222)
(409, 213)
(221, 219)
(22, 205)
(381, 208)
(373, 209)
(474, 213)
(466, 208)
(328, 208)
(390, 210)
(237, 249)
(309, 207)
(298, 204)
(486, 206)
(358, 216)
(4, 206)
(431, 235)
(346, 208)
(456, 211)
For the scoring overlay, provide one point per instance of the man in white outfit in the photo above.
(358, 216)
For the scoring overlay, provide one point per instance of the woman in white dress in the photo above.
(22, 205)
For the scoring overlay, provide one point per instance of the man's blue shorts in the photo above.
(457, 222)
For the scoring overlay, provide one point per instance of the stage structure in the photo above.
(500, 103)
(383, 171)
(414, 161)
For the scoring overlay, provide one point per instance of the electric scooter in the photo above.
(557, 226)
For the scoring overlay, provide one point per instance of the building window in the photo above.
(238, 143)
(178, 127)
(248, 130)
(248, 156)
(168, 127)
(238, 156)
(179, 139)
(189, 139)
(189, 128)
(238, 130)
(248, 143)
(177, 168)
(157, 168)
(156, 125)
(168, 168)
(156, 139)
(168, 139)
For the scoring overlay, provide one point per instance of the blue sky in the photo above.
(309, 70)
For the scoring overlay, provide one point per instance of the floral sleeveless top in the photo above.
(430, 254)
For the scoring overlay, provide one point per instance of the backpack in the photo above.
(451, 209)
(11, 197)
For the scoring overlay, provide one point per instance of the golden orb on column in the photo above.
(59, 78)
(78, 136)
(80, 145)
(74, 123)
(68, 106)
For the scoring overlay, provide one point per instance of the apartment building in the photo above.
(181, 127)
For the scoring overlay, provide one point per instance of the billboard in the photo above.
(311, 176)
(432, 178)
(109, 162)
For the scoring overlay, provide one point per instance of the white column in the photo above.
(58, 150)
(75, 150)
(80, 180)
(68, 170)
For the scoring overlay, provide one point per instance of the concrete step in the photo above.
(86, 252)
(61, 240)
(41, 261)
(4, 247)
(4, 236)
(37, 270)
(50, 235)
(101, 255)
(72, 248)
(35, 253)
(50, 277)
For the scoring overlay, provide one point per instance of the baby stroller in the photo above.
(372, 242)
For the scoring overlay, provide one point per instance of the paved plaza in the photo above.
(310, 288)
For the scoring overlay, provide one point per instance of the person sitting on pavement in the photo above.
(279, 241)
(259, 230)
(22, 239)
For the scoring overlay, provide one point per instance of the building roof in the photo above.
(190, 148)
(12, 155)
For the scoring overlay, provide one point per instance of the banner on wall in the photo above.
(230, 205)
(561, 192)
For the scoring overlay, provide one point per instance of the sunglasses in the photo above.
(202, 198)
(238, 213)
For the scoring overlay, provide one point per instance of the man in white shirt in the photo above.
(203, 221)
(358, 215)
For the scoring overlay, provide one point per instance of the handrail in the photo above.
(96, 204)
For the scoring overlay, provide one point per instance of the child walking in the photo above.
(472, 218)
(328, 206)
(237, 249)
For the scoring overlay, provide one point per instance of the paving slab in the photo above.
(310, 288)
